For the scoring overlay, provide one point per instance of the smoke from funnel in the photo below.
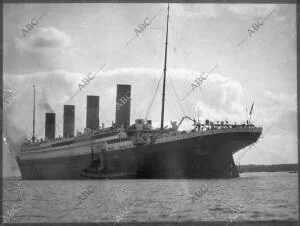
(46, 107)
(44, 104)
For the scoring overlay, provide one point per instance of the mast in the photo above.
(165, 70)
(33, 123)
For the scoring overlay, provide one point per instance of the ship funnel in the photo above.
(123, 106)
(50, 125)
(92, 112)
(69, 121)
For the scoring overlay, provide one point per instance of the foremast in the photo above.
(165, 71)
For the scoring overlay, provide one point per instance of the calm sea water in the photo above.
(253, 196)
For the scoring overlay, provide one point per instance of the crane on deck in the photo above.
(175, 126)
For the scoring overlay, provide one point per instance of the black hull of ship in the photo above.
(197, 157)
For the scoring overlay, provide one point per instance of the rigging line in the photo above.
(210, 71)
(179, 103)
(75, 93)
(94, 74)
(176, 111)
(153, 97)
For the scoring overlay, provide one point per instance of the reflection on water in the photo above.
(253, 196)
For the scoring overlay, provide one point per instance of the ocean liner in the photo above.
(136, 150)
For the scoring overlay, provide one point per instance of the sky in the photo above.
(65, 42)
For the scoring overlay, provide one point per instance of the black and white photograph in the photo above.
(136, 112)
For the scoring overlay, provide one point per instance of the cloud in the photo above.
(195, 10)
(275, 106)
(280, 98)
(272, 149)
(218, 98)
(213, 11)
(221, 92)
(45, 40)
(277, 114)
(250, 10)
(55, 88)
(280, 112)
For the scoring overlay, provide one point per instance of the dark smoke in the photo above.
(44, 105)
